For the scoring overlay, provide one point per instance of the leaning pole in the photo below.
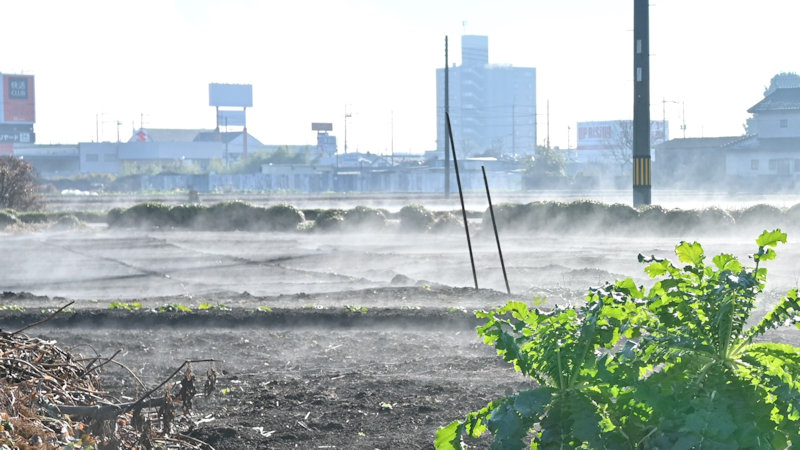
(641, 104)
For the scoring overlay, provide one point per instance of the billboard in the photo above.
(17, 102)
(231, 118)
(615, 134)
(17, 134)
(321, 126)
(240, 95)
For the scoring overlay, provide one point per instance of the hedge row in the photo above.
(57, 220)
(592, 217)
(246, 217)
(550, 217)
(224, 216)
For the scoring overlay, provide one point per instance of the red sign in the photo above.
(18, 99)
(141, 136)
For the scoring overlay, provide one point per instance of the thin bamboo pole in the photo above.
(494, 225)
(461, 195)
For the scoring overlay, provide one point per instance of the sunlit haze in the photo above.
(98, 63)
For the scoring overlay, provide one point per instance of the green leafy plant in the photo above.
(265, 309)
(11, 308)
(127, 306)
(356, 309)
(207, 306)
(674, 366)
(175, 307)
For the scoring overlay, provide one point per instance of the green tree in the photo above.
(547, 168)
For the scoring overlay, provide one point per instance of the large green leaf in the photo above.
(449, 437)
(771, 238)
(690, 253)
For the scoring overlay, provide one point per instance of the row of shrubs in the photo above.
(246, 217)
(62, 219)
(549, 217)
(592, 217)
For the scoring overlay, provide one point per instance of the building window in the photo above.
(754, 164)
(773, 164)
(784, 123)
(109, 157)
(797, 165)
(92, 157)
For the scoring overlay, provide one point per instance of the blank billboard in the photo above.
(321, 126)
(230, 95)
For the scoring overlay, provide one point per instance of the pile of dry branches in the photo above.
(50, 398)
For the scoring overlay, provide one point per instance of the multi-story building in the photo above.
(492, 107)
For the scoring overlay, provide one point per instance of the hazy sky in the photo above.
(309, 60)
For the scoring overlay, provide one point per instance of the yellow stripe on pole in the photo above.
(641, 172)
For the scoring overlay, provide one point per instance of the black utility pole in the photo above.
(446, 114)
(641, 103)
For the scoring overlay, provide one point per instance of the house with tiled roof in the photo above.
(768, 157)
(772, 155)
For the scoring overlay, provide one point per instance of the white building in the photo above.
(492, 107)
(774, 153)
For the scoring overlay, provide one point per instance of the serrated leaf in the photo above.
(533, 403)
(725, 261)
(690, 253)
(508, 427)
(771, 238)
(449, 437)
(657, 269)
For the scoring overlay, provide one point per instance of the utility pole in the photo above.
(346, 115)
(446, 114)
(569, 129)
(548, 124)
(514, 129)
(642, 185)
(392, 142)
(683, 119)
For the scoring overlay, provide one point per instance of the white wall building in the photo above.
(492, 107)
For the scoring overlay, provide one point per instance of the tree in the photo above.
(548, 167)
(621, 145)
(783, 80)
(18, 185)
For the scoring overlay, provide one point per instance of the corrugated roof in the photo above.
(790, 144)
(698, 143)
(171, 135)
(784, 99)
(211, 136)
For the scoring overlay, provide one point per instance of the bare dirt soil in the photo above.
(331, 341)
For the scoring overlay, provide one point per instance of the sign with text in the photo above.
(240, 95)
(17, 134)
(616, 134)
(17, 103)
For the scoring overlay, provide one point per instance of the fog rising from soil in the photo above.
(109, 265)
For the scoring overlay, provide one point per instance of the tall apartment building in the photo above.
(492, 107)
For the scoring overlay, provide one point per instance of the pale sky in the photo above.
(308, 60)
